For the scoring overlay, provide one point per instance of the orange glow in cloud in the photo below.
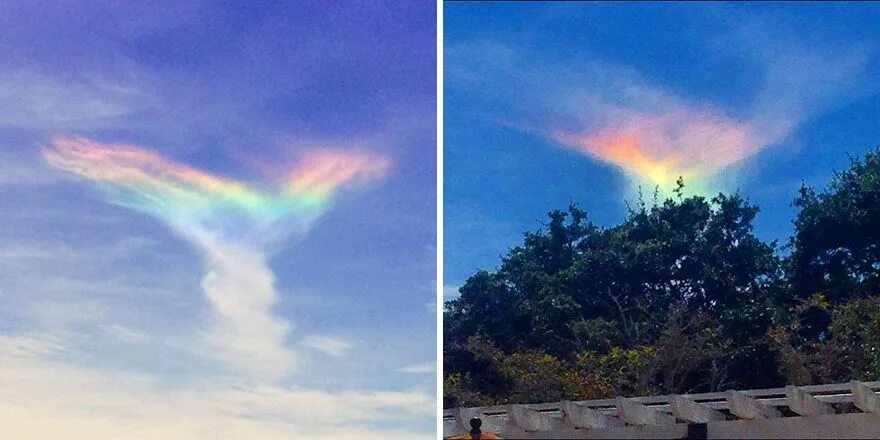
(659, 147)
(321, 171)
(144, 180)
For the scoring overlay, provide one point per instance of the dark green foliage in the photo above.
(680, 297)
(836, 246)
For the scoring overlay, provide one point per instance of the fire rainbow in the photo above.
(658, 148)
(145, 181)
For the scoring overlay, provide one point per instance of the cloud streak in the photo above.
(332, 346)
(233, 223)
(33, 100)
(423, 368)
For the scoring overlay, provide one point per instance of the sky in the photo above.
(546, 104)
(217, 219)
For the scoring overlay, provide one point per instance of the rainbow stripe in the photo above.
(187, 197)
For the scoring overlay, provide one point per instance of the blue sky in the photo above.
(103, 312)
(543, 104)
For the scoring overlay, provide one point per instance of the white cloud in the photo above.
(118, 249)
(125, 334)
(423, 368)
(104, 404)
(332, 346)
(30, 346)
(241, 288)
(36, 101)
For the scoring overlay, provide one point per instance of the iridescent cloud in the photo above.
(188, 197)
(657, 147)
(232, 223)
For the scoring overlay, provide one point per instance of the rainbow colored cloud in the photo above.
(188, 197)
(658, 147)
(232, 222)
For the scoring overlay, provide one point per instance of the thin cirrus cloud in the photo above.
(34, 100)
(423, 368)
(327, 344)
(232, 223)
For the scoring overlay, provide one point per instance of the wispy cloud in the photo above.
(423, 368)
(107, 404)
(327, 344)
(124, 248)
(126, 334)
(34, 100)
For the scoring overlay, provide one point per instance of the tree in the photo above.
(850, 349)
(682, 276)
(836, 244)
(679, 297)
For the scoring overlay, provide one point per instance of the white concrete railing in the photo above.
(723, 413)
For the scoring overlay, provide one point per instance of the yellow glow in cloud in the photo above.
(659, 147)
